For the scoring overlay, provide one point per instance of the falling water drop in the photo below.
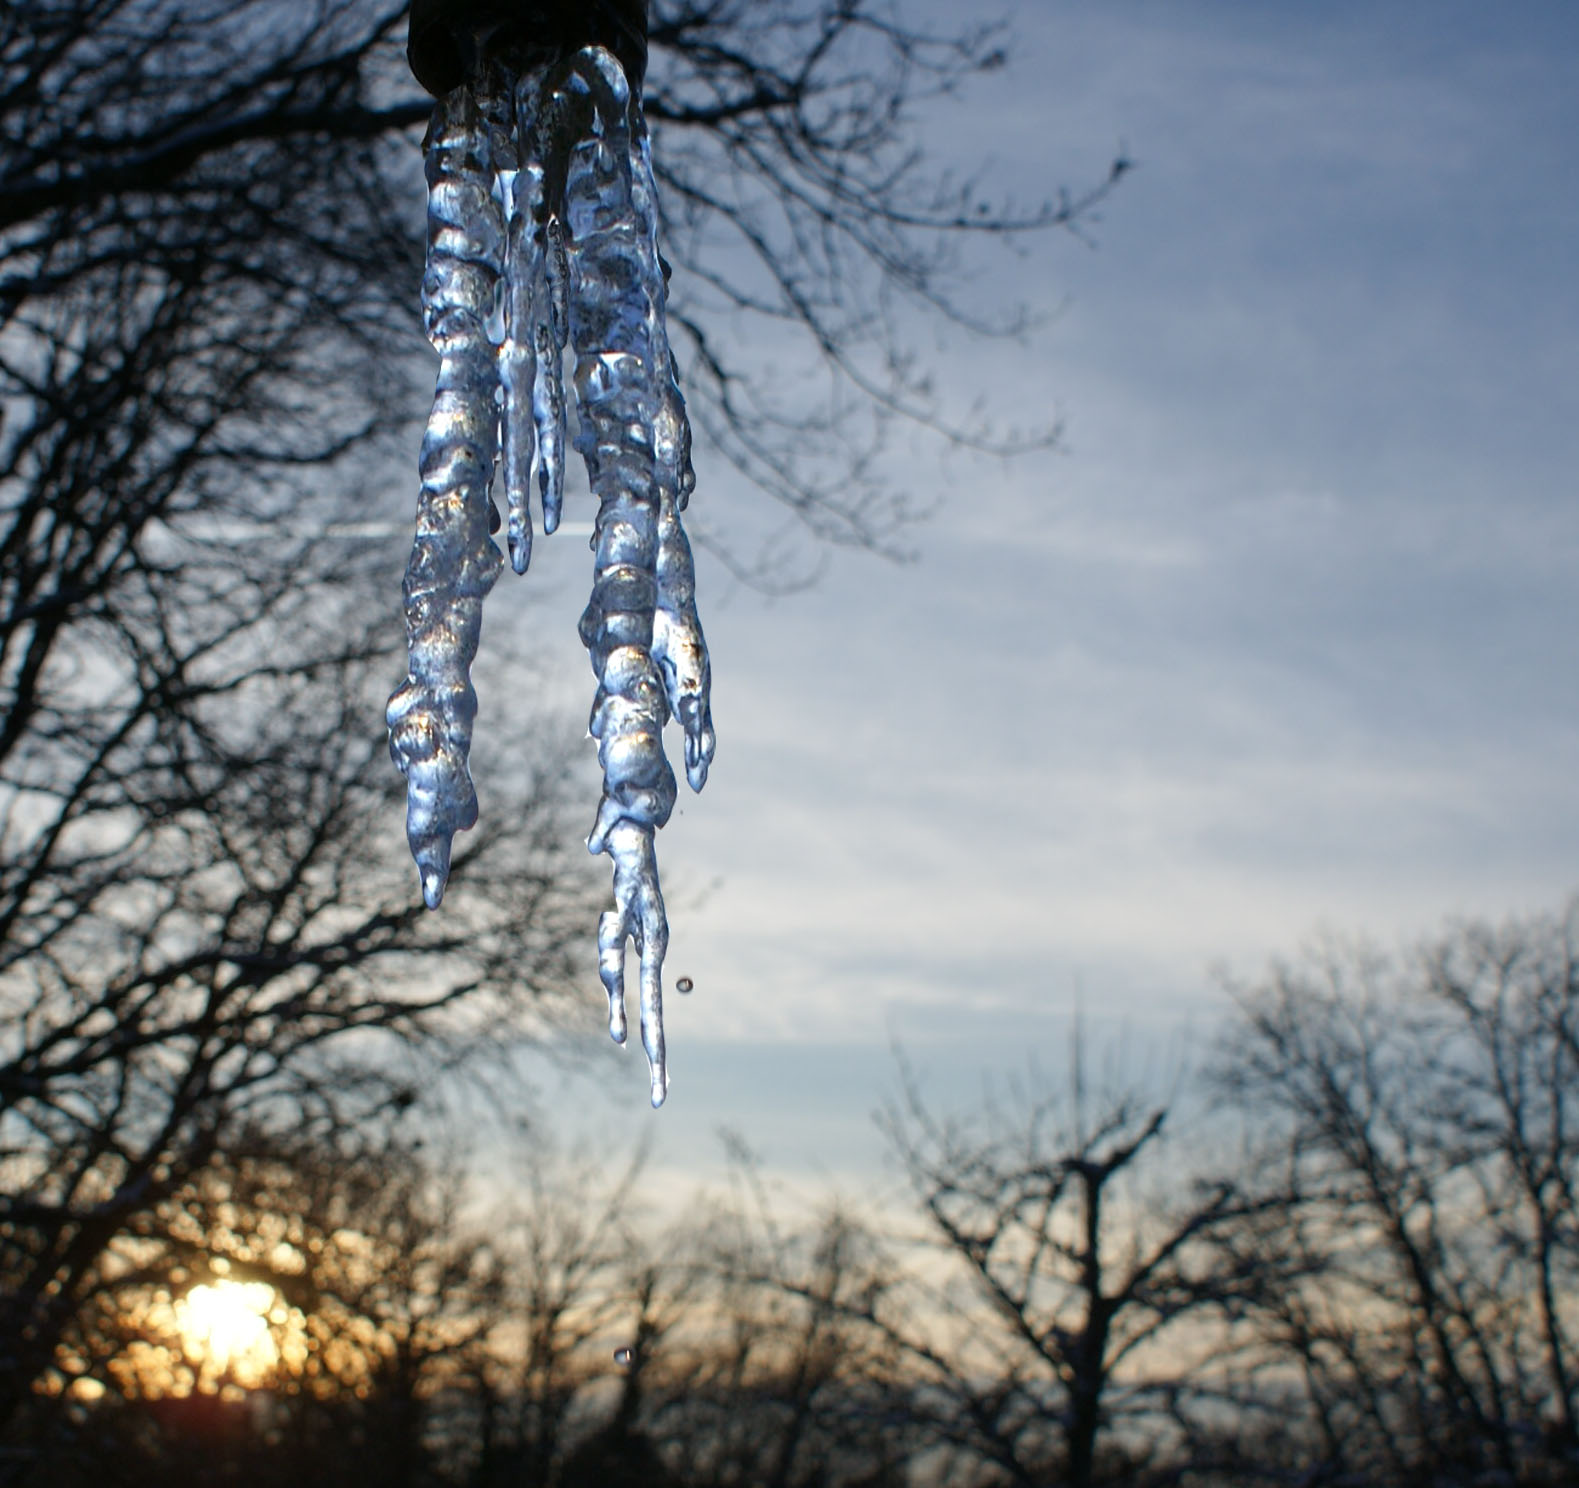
(684, 984)
(542, 235)
(623, 1357)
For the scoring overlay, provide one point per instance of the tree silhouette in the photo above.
(797, 207)
(209, 238)
(1418, 1254)
(1087, 1297)
(203, 920)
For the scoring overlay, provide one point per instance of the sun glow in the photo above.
(224, 1328)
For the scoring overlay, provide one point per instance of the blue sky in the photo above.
(1283, 639)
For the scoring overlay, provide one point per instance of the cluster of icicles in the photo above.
(542, 231)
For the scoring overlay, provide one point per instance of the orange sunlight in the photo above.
(224, 1328)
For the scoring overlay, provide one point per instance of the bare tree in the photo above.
(208, 235)
(1421, 1257)
(376, 1310)
(1091, 1290)
(579, 1287)
(198, 307)
(798, 207)
(785, 1384)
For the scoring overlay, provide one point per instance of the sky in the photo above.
(1282, 640)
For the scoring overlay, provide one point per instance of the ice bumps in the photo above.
(453, 562)
(542, 232)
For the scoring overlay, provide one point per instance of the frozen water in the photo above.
(542, 235)
(453, 561)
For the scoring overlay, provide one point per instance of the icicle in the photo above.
(518, 361)
(548, 396)
(622, 374)
(576, 242)
(677, 644)
(453, 562)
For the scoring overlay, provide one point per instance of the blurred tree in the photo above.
(1418, 1256)
(201, 299)
(375, 1306)
(790, 1386)
(803, 221)
(580, 1287)
(1069, 1354)
(209, 229)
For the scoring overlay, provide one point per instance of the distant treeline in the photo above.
(1362, 1267)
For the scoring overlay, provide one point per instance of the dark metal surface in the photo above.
(450, 40)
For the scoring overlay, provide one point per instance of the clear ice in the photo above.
(542, 233)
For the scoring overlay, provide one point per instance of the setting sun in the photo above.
(224, 1326)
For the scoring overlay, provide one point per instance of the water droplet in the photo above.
(684, 984)
(623, 1357)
